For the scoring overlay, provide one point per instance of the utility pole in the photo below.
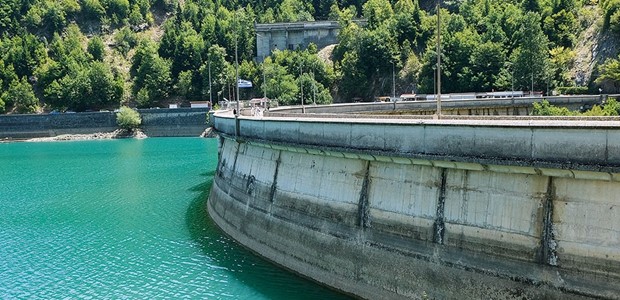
(237, 63)
(532, 89)
(438, 59)
(393, 83)
(210, 94)
(264, 83)
(301, 84)
(313, 90)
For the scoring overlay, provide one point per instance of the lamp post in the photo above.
(434, 81)
(210, 94)
(301, 86)
(512, 77)
(237, 64)
(264, 82)
(313, 90)
(393, 83)
(438, 59)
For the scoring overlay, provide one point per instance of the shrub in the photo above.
(128, 118)
(545, 109)
(572, 90)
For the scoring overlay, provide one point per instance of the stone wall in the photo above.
(441, 209)
(155, 122)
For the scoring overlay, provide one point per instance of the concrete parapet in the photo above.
(408, 209)
(563, 144)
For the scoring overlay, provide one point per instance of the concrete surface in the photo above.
(416, 209)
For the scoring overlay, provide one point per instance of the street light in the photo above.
(438, 59)
(301, 84)
(313, 90)
(210, 94)
(236, 63)
(393, 83)
(512, 77)
(434, 82)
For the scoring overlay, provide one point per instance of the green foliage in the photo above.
(21, 95)
(377, 12)
(125, 39)
(128, 118)
(118, 10)
(90, 86)
(486, 45)
(96, 48)
(611, 13)
(611, 108)
(152, 73)
(609, 73)
(294, 11)
(531, 58)
(93, 9)
(543, 108)
(572, 90)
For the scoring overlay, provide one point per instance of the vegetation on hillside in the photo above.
(544, 108)
(97, 54)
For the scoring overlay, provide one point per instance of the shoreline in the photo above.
(116, 134)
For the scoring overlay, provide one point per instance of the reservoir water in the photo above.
(124, 219)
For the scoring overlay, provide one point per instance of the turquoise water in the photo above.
(124, 219)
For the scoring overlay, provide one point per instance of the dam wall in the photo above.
(412, 209)
(155, 122)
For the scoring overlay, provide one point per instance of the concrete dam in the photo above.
(415, 208)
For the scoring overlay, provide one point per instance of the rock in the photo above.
(116, 134)
(209, 133)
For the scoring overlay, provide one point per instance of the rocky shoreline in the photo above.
(116, 134)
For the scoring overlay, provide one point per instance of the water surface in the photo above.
(124, 219)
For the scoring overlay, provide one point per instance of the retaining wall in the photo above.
(389, 209)
(155, 122)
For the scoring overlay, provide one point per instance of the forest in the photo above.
(82, 55)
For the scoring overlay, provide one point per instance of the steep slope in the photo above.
(593, 47)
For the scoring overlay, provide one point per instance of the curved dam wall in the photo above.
(399, 209)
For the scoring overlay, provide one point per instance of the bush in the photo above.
(128, 118)
(572, 90)
(545, 109)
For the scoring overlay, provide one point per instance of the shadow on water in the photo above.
(257, 274)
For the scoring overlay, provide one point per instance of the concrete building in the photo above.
(292, 36)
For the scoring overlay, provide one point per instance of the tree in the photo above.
(216, 58)
(93, 9)
(151, 73)
(531, 58)
(295, 11)
(377, 12)
(609, 75)
(9, 13)
(125, 39)
(188, 50)
(96, 48)
(128, 118)
(20, 93)
(407, 25)
(118, 10)
(487, 60)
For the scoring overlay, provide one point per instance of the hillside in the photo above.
(96, 54)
